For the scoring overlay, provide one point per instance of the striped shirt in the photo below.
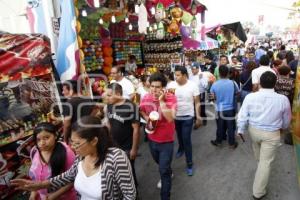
(116, 177)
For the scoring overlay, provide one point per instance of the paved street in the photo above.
(219, 173)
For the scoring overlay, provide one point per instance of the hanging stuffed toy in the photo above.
(159, 12)
(160, 33)
(176, 13)
(174, 27)
(143, 19)
(193, 28)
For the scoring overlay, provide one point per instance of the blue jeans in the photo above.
(244, 93)
(162, 153)
(184, 125)
(226, 123)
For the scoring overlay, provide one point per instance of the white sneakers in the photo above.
(159, 182)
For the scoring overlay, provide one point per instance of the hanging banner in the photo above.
(67, 50)
(19, 53)
(36, 17)
(296, 119)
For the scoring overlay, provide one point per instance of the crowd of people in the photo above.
(252, 92)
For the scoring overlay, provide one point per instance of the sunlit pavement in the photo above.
(220, 173)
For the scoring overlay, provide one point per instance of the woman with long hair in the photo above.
(50, 158)
(246, 80)
(100, 170)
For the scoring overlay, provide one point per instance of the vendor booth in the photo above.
(27, 96)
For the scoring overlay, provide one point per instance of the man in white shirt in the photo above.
(256, 73)
(127, 86)
(201, 82)
(130, 66)
(267, 113)
(187, 94)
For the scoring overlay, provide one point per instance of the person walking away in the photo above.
(246, 80)
(285, 85)
(256, 73)
(224, 92)
(265, 113)
(161, 139)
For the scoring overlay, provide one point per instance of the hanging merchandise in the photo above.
(186, 18)
(160, 33)
(143, 19)
(160, 53)
(193, 28)
(176, 13)
(173, 27)
(123, 49)
(160, 12)
(93, 59)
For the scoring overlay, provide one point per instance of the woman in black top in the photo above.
(246, 80)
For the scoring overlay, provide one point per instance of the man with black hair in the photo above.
(127, 86)
(187, 94)
(210, 65)
(224, 92)
(265, 113)
(123, 122)
(223, 61)
(76, 106)
(161, 140)
(256, 73)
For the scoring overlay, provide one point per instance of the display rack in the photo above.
(124, 48)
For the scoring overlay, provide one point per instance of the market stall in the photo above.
(27, 94)
(228, 35)
(109, 32)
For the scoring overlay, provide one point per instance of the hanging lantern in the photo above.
(126, 19)
(153, 10)
(137, 8)
(83, 13)
(130, 27)
(155, 26)
(150, 29)
(100, 21)
(194, 9)
(96, 3)
(113, 19)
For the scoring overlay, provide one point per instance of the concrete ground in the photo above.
(219, 173)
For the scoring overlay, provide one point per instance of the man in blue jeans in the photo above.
(187, 94)
(161, 139)
(224, 92)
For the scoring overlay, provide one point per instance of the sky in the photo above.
(226, 11)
